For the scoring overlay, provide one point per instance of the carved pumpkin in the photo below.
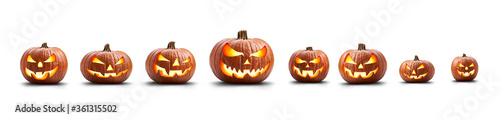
(362, 65)
(309, 65)
(416, 70)
(242, 59)
(106, 66)
(170, 65)
(464, 68)
(44, 65)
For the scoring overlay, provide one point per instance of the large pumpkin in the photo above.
(170, 65)
(309, 65)
(416, 70)
(106, 66)
(464, 68)
(242, 59)
(44, 65)
(362, 65)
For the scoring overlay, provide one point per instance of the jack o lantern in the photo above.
(44, 65)
(242, 59)
(362, 65)
(170, 65)
(416, 70)
(309, 65)
(464, 68)
(106, 66)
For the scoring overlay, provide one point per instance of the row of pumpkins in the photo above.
(232, 60)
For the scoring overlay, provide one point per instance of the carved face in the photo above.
(309, 65)
(416, 70)
(362, 65)
(44, 64)
(170, 65)
(106, 66)
(242, 60)
(464, 68)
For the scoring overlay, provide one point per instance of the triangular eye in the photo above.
(96, 60)
(187, 60)
(317, 60)
(298, 60)
(407, 67)
(460, 65)
(421, 66)
(120, 61)
(349, 60)
(261, 53)
(52, 58)
(29, 59)
(372, 60)
(471, 65)
(161, 58)
(230, 52)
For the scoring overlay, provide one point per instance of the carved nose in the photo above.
(360, 66)
(413, 72)
(109, 68)
(246, 63)
(40, 65)
(466, 68)
(307, 66)
(176, 62)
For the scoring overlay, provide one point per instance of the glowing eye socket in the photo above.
(298, 60)
(161, 58)
(95, 60)
(372, 60)
(421, 66)
(317, 60)
(29, 59)
(120, 61)
(261, 53)
(471, 65)
(230, 52)
(407, 67)
(349, 60)
(52, 58)
(187, 60)
(460, 65)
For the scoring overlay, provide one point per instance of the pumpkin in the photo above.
(242, 59)
(309, 65)
(416, 70)
(44, 65)
(464, 68)
(170, 65)
(106, 66)
(362, 65)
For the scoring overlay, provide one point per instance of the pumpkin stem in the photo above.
(361, 46)
(309, 48)
(44, 45)
(171, 45)
(106, 48)
(464, 55)
(416, 58)
(242, 34)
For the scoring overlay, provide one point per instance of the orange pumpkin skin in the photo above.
(416, 71)
(44, 65)
(170, 65)
(242, 60)
(309, 65)
(362, 65)
(106, 67)
(464, 68)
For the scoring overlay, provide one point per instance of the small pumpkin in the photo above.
(242, 59)
(416, 70)
(170, 65)
(309, 65)
(44, 65)
(106, 66)
(464, 68)
(362, 65)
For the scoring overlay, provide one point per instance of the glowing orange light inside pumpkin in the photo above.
(298, 60)
(120, 61)
(230, 52)
(29, 59)
(317, 60)
(421, 66)
(161, 58)
(372, 60)
(261, 53)
(95, 60)
(52, 58)
(187, 60)
(349, 60)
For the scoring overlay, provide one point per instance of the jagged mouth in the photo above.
(41, 75)
(466, 74)
(106, 75)
(239, 73)
(415, 76)
(360, 74)
(171, 73)
(305, 73)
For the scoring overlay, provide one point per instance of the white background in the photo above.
(437, 31)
